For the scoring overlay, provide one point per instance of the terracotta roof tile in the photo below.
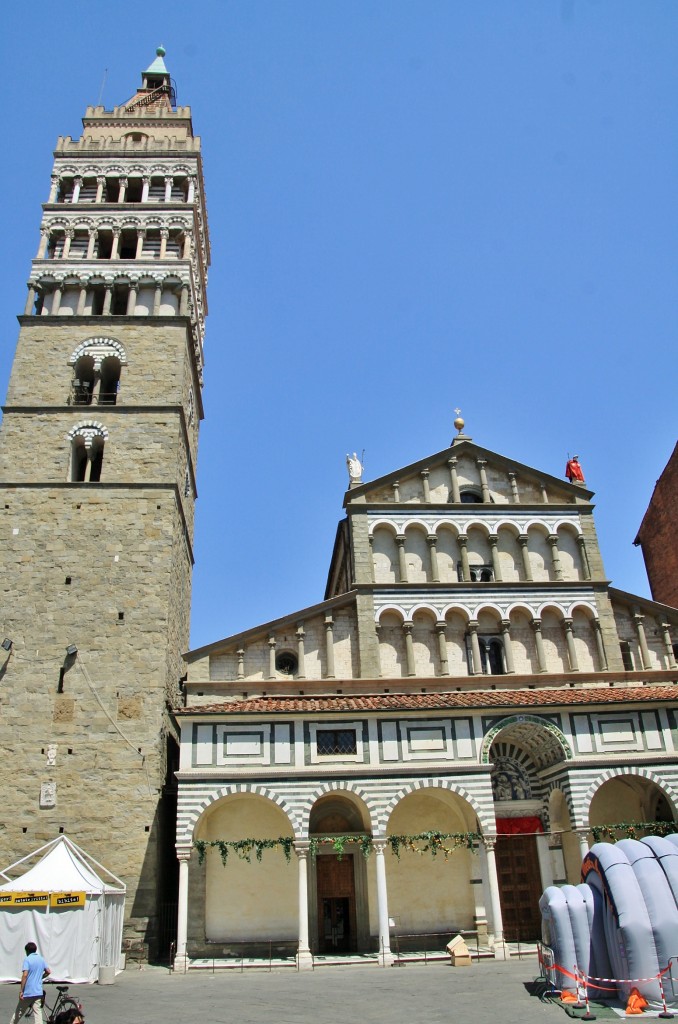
(437, 701)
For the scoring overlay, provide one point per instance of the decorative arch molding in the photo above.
(520, 606)
(338, 787)
(415, 523)
(88, 430)
(490, 608)
(568, 525)
(582, 606)
(249, 788)
(383, 524)
(557, 786)
(395, 608)
(485, 818)
(425, 608)
(616, 773)
(454, 608)
(99, 349)
(541, 723)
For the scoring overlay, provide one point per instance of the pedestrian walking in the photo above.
(33, 970)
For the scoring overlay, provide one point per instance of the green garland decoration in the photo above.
(433, 842)
(630, 829)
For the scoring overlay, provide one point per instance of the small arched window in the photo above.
(97, 365)
(87, 452)
(471, 497)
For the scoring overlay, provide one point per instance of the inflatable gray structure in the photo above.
(620, 923)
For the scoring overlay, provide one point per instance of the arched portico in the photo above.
(520, 749)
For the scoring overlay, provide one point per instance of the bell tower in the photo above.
(98, 450)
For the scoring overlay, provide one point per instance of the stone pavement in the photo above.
(485, 993)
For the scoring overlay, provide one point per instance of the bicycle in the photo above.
(65, 1007)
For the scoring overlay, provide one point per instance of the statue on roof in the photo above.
(355, 469)
(573, 471)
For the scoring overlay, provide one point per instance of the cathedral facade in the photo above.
(437, 739)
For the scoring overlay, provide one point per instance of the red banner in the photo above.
(516, 826)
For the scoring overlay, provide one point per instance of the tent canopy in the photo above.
(63, 867)
(77, 940)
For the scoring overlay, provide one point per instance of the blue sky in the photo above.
(412, 207)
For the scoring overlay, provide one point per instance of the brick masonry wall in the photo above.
(658, 536)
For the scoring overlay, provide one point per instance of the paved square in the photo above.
(435, 994)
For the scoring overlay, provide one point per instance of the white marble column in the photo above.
(555, 556)
(508, 649)
(77, 184)
(432, 541)
(494, 553)
(240, 671)
(426, 485)
(668, 645)
(271, 657)
(301, 653)
(168, 188)
(145, 187)
(584, 558)
(600, 645)
(402, 563)
(642, 640)
(304, 955)
(454, 480)
(481, 464)
(462, 541)
(181, 957)
(409, 649)
(385, 955)
(442, 648)
(477, 662)
(329, 647)
(527, 565)
(583, 837)
(571, 649)
(515, 494)
(54, 188)
(544, 856)
(539, 645)
(500, 950)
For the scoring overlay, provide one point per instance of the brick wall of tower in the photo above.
(125, 546)
(658, 536)
(123, 553)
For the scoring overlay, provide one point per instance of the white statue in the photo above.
(51, 754)
(355, 468)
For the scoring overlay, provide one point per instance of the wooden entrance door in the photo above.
(336, 904)
(519, 887)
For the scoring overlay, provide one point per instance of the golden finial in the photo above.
(459, 423)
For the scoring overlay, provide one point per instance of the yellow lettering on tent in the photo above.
(31, 899)
(67, 899)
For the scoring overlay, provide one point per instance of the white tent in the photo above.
(76, 939)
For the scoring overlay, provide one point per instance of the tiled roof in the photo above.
(437, 701)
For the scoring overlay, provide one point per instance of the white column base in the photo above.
(386, 958)
(304, 960)
(501, 950)
(181, 964)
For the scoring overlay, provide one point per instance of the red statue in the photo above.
(573, 471)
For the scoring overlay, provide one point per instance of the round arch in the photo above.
(485, 816)
(556, 735)
(615, 773)
(196, 815)
(344, 788)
